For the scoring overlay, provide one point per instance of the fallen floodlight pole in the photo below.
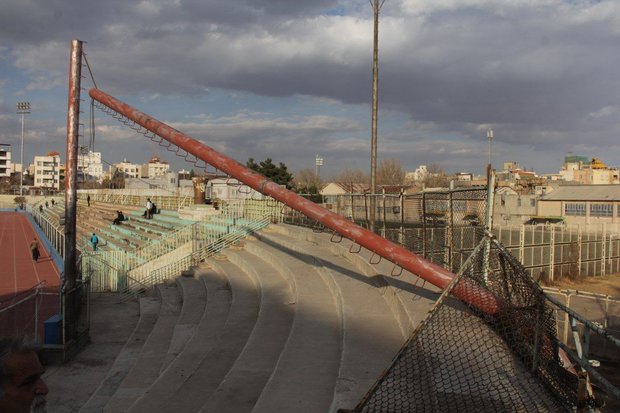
(466, 290)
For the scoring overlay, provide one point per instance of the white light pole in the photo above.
(490, 137)
(22, 108)
(318, 162)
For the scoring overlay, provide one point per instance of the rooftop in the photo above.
(584, 193)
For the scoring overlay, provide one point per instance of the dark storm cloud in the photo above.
(543, 74)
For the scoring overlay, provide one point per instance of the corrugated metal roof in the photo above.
(584, 193)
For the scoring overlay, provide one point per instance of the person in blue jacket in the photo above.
(94, 240)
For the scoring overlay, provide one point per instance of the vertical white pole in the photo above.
(21, 160)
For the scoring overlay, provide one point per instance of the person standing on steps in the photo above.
(149, 208)
(88, 199)
(94, 240)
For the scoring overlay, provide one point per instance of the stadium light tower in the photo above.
(318, 162)
(490, 137)
(22, 109)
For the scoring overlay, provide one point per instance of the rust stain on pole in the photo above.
(433, 273)
(73, 119)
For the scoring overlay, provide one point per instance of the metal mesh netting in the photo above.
(464, 359)
(24, 313)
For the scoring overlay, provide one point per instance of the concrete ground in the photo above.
(607, 285)
(70, 385)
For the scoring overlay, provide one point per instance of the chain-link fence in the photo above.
(509, 360)
(24, 314)
(75, 307)
(442, 226)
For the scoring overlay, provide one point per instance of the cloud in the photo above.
(542, 73)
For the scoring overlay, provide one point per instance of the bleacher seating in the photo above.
(280, 322)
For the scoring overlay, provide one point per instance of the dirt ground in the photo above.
(607, 285)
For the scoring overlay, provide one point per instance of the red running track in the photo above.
(20, 275)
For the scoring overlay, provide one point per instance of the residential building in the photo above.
(511, 166)
(169, 181)
(573, 163)
(128, 169)
(90, 167)
(5, 160)
(588, 171)
(230, 188)
(596, 173)
(420, 174)
(47, 171)
(154, 168)
(464, 176)
(512, 207)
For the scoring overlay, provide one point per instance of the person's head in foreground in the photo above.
(22, 389)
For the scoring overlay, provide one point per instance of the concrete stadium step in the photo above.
(410, 297)
(124, 234)
(305, 376)
(85, 232)
(146, 226)
(231, 340)
(166, 219)
(372, 335)
(155, 223)
(149, 310)
(204, 340)
(244, 383)
(147, 368)
(107, 236)
(194, 297)
(141, 231)
(126, 228)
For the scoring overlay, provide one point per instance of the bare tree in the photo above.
(391, 172)
(350, 176)
(436, 177)
(306, 179)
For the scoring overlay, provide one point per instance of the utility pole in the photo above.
(376, 5)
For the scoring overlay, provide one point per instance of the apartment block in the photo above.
(154, 168)
(90, 167)
(47, 171)
(128, 169)
(5, 160)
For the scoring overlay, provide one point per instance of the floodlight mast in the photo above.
(22, 108)
(466, 290)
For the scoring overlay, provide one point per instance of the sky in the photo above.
(289, 80)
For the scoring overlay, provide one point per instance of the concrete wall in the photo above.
(514, 209)
(550, 208)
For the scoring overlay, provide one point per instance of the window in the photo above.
(601, 210)
(533, 202)
(518, 202)
(575, 209)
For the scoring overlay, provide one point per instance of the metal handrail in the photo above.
(197, 254)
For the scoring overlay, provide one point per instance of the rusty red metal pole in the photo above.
(73, 124)
(433, 273)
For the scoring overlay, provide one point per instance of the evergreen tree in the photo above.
(278, 174)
